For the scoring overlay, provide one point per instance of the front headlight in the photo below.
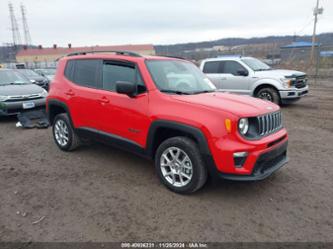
(287, 83)
(243, 126)
(3, 98)
(44, 93)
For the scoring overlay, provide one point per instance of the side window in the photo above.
(121, 71)
(86, 73)
(69, 70)
(232, 67)
(212, 67)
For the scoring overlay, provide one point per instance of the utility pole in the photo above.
(27, 37)
(317, 11)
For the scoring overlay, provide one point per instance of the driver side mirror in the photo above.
(125, 87)
(242, 73)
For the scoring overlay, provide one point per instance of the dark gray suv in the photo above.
(18, 94)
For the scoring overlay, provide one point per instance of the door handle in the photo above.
(70, 92)
(104, 100)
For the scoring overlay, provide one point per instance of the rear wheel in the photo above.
(270, 94)
(63, 133)
(179, 165)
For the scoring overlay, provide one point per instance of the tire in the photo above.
(172, 175)
(270, 94)
(63, 133)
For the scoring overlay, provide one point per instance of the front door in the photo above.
(235, 78)
(124, 116)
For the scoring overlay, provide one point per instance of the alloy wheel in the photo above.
(265, 96)
(176, 167)
(61, 132)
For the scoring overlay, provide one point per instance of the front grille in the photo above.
(301, 81)
(269, 123)
(23, 97)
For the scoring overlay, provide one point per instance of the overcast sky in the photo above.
(107, 22)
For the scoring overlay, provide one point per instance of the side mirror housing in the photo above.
(124, 87)
(242, 73)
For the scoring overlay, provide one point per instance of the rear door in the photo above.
(213, 71)
(83, 91)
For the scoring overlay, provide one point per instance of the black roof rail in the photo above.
(118, 52)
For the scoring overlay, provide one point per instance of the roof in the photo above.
(301, 44)
(62, 50)
(227, 57)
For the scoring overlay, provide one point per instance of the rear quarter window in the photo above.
(86, 72)
(211, 67)
(69, 70)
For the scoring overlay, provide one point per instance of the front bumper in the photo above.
(13, 108)
(266, 165)
(294, 93)
(264, 157)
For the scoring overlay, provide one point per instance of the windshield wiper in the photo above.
(203, 91)
(13, 83)
(175, 92)
(263, 69)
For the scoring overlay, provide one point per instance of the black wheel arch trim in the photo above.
(58, 103)
(193, 131)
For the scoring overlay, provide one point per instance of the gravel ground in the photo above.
(98, 193)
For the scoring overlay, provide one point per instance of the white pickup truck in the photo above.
(250, 76)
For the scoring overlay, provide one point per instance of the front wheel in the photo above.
(270, 94)
(179, 165)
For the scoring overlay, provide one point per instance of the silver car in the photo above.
(250, 76)
(18, 94)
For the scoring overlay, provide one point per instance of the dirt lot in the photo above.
(102, 194)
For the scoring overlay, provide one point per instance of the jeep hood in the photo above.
(241, 106)
(278, 73)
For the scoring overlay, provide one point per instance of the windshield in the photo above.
(255, 64)
(11, 77)
(179, 77)
(28, 72)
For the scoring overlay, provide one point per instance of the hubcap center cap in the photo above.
(175, 167)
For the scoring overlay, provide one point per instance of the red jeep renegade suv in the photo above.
(168, 110)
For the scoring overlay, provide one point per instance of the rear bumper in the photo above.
(13, 108)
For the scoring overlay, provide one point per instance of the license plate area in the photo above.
(28, 105)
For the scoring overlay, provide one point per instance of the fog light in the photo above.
(240, 158)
